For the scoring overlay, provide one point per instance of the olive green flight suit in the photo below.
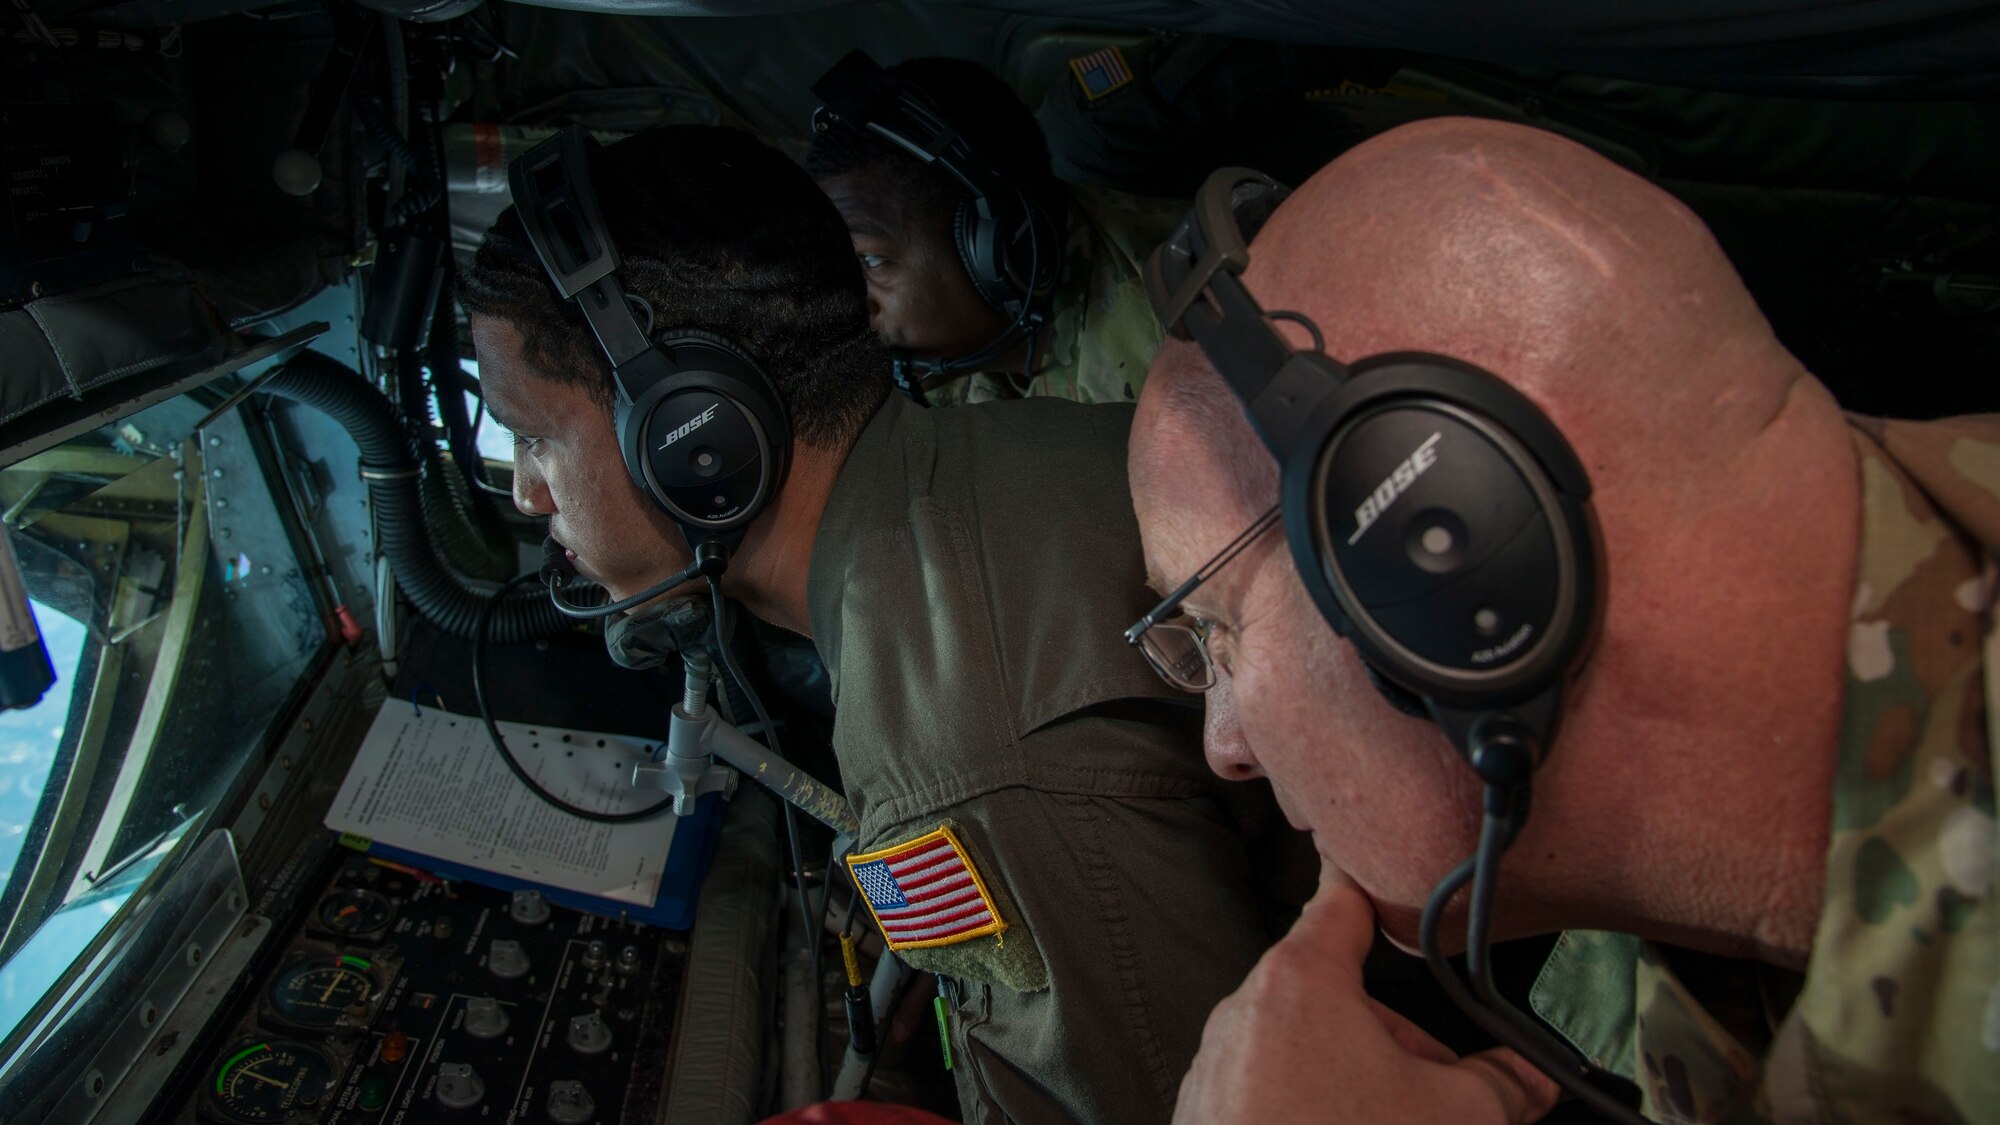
(972, 576)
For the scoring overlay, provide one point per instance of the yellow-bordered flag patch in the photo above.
(1101, 72)
(926, 892)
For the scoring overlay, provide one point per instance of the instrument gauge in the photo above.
(317, 993)
(269, 1080)
(354, 911)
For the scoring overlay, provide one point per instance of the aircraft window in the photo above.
(182, 624)
(496, 445)
(30, 737)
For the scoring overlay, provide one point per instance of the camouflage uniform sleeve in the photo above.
(1899, 1015)
(1104, 333)
(1101, 333)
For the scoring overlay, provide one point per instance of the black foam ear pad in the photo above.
(1394, 694)
(980, 253)
(708, 439)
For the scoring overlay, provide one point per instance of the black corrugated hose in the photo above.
(472, 546)
(390, 467)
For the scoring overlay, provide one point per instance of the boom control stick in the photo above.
(684, 769)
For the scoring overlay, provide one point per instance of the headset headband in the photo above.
(558, 207)
(1004, 239)
(857, 92)
(1278, 384)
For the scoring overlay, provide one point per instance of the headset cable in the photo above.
(479, 631)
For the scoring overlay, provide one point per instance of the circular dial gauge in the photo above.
(269, 1080)
(317, 993)
(354, 911)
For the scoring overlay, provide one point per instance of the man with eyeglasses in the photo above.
(1765, 825)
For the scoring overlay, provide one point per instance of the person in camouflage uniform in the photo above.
(1897, 1017)
(1101, 332)
(1766, 830)
(1098, 333)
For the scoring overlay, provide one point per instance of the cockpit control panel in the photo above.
(401, 997)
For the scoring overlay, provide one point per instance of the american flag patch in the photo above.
(1101, 72)
(926, 892)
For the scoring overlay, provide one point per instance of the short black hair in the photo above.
(718, 232)
(986, 111)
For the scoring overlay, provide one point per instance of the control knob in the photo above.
(507, 959)
(459, 1087)
(485, 1018)
(529, 908)
(589, 1034)
(570, 1103)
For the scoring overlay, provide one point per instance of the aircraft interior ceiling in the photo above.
(266, 528)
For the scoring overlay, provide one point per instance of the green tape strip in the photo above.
(358, 843)
(944, 1032)
(234, 1059)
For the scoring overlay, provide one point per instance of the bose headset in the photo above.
(1442, 525)
(702, 428)
(1006, 242)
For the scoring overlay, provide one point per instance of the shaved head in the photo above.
(1601, 297)
(1609, 305)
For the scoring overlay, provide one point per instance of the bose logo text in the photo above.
(689, 426)
(1393, 486)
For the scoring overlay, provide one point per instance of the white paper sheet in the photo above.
(433, 784)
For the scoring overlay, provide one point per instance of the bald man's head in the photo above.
(1611, 307)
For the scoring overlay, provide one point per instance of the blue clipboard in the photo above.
(688, 858)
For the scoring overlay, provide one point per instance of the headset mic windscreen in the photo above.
(557, 570)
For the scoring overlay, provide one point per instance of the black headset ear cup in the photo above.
(767, 403)
(712, 392)
(747, 369)
(1439, 515)
(980, 254)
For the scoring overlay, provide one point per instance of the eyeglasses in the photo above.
(1178, 650)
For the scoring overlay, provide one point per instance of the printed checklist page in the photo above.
(433, 784)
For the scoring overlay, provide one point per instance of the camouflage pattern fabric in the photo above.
(1101, 333)
(1898, 1015)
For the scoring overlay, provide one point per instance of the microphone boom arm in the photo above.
(683, 767)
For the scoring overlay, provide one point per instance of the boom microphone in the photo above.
(557, 570)
(558, 573)
(710, 559)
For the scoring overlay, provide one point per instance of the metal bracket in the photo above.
(688, 777)
(683, 767)
(210, 883)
